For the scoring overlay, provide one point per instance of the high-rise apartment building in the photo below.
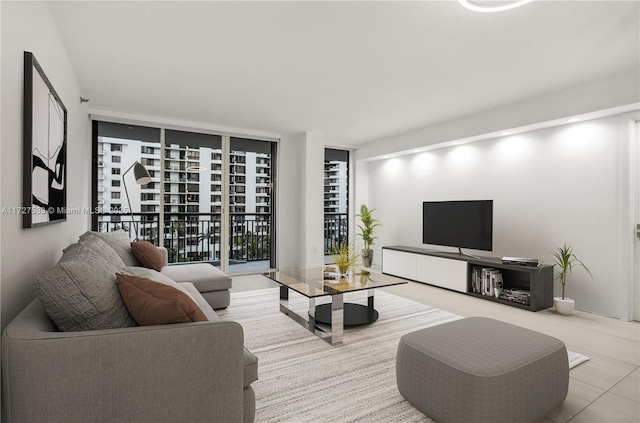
(335, 187)
(189, 196)
(336, 198)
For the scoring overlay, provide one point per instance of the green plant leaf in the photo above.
(369, 223)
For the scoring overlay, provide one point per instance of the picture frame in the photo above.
(44, 195)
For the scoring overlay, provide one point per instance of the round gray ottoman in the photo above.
(477, 370)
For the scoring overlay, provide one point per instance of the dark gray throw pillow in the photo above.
(119, 241)
(80, 292)
(91, 243)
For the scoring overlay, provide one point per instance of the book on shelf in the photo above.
(496, 284)
(492, 275)
(476, 279)
(484, 280)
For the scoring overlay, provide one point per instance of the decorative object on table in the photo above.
(346, 258)
(142, 178)
(44, 195)
(330, 273)
(564, 259)
(366, 233)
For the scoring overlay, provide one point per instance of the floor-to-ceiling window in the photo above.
(212, 193)
(336, 198)
(116, 149)
(192, 199)
(251, 211)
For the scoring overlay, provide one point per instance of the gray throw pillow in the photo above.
(83, 295)
(92, 243)
(119, 241)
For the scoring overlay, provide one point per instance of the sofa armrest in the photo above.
(165, 373)
(165, 254)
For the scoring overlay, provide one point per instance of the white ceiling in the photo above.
(355, 71)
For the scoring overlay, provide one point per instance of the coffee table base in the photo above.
(333, 336)
(327, 321)
(354, 314)
(334, 313)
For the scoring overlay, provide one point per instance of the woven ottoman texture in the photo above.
(478, 370)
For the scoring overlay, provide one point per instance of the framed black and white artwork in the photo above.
(45, 149)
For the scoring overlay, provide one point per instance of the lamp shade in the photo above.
(141, 174)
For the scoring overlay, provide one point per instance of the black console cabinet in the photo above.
(452, 268)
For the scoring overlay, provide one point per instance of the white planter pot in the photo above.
(563, 306)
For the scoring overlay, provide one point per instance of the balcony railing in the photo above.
(192, 237)
(250, 236)
(336, 230)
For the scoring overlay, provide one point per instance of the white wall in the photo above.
(607, 93)
(549, 186)
(312, 206)
(361, 196)
(28, 26)
(289, 198)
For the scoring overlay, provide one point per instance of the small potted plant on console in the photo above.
(564, 259)
(366, 233)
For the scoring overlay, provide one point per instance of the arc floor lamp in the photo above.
(142, 178)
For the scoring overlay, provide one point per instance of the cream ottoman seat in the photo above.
(482, 370)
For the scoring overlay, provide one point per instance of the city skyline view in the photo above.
(186, 192)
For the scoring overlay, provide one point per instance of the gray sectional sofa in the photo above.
(122, 372)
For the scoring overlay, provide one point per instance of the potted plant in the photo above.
(564, 259)
(345, 258)
(366, 233)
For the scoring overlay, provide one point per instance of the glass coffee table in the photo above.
(317, 282)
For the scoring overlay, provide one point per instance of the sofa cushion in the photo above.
(83, 295)
(217, 299)
(75, 252)
(204, 276)
(250, 362)
(148, 254)
(153, 303)
(119, 241)
(200, 301)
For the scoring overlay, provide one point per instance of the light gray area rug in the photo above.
(575, 359)
(304, 379)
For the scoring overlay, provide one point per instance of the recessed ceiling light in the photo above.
(574, 119)
(416, 150)
(505, 133)
(386, 156)
(492, 5)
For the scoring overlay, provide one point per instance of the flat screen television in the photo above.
(462, 224)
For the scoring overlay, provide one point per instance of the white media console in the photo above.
(454, 271)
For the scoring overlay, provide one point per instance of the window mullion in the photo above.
(162, 193)
(224, 217)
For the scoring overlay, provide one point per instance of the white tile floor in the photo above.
(605, 389)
